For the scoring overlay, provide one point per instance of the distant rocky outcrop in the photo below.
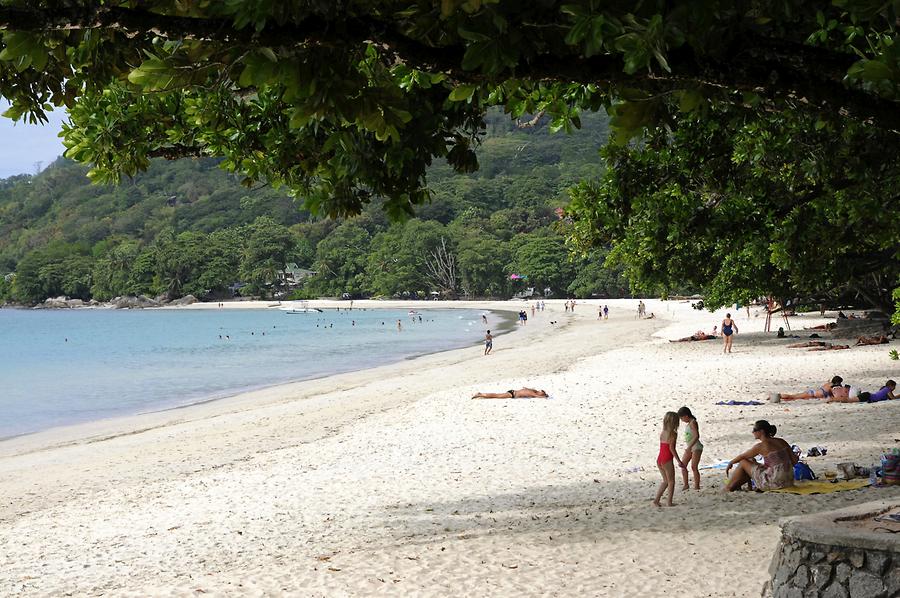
(139, 302)
(186, 300)
(53, 303)
(127, 302)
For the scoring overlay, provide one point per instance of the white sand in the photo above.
(391, 481)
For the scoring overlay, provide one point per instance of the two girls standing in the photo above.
(668, 454)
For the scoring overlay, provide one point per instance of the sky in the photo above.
(22, 145)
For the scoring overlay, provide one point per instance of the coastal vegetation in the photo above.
(755, 144)
(187, 227)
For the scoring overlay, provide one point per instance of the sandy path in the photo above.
(391, 481)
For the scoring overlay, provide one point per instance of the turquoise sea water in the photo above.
(61, 367)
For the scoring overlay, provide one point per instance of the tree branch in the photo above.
(781, 70)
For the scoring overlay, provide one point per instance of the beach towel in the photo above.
(738, 403)
(823, 487)
(718, 465)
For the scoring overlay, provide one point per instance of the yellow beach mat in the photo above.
(823, 487)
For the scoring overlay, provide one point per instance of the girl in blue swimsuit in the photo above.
(729, 328)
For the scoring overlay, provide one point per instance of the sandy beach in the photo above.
(391, 481)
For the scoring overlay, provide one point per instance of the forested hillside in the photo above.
(188, 227)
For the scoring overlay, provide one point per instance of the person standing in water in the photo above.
(488, 342)
(399, 326)
(729, 328)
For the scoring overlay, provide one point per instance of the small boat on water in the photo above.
(300, 307)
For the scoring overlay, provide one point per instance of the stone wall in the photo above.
(837, 555)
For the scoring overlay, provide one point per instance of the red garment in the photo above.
(665, 454)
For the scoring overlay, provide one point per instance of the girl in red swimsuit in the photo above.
(667, 455)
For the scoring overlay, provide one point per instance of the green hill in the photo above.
(189, 227)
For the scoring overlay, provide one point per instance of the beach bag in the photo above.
(802, 471)
(890, 469)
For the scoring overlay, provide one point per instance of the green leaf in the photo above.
(473, 36)
(874, 70)
(18, 43)
(463, 93)
(268, 53)
(14, 112)
(690, 99)
(153, 75)
(578, 31)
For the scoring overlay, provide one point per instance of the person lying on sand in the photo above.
(522, 393)
(830, 347)
(852, 395)
(818, 346)
(808, 344)
(697, 336)
(822, 392)
(872, 340)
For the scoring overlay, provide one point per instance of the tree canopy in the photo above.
(347, 101)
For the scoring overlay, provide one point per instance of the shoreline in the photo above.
(393, 481)
(507, 326)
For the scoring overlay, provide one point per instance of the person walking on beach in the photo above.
(532, 311)
(693, 449)
(599, 312)
(488, 343)
(729, 328)
(605, 312)
(667, 454)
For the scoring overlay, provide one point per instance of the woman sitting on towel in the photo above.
(777, 469)
(522, 393)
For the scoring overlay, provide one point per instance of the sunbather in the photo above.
(872, 340)
(522, 393)
(807, 344)
(830, 347)
(697, 336)
(852, 395)
(822, 392)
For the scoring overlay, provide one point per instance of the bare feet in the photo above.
(656, 504)
(685, 488)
